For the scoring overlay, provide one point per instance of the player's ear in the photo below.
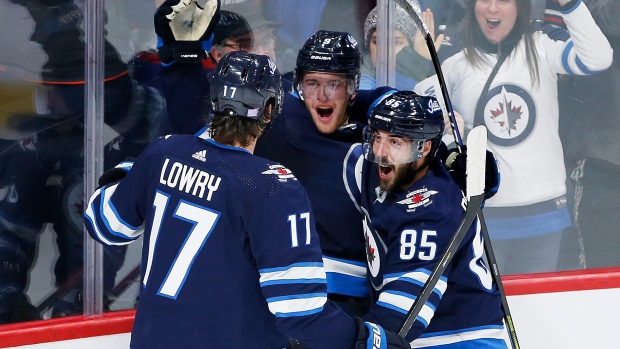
(428, 145)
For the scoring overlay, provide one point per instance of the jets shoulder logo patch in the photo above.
(417, 198)
(282, 172)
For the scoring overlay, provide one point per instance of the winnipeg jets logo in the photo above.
(509, 114)
(372, 251)
(506, 115)
(282, 172)
(417, 198)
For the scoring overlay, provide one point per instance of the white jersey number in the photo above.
(293, 220)
(203, 220)
(409, 245)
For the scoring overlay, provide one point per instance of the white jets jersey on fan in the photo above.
(522, 124)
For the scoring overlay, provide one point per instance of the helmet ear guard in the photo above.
(404, 114)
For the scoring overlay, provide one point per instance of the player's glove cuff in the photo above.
(371, 336)
(115, 174)
(182, 51)
(456, 162)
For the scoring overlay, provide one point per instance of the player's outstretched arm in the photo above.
(183, 26)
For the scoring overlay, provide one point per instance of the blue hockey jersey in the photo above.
(406, 235)
(230, 258)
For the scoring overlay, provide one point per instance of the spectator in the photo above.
(242, 27)
(413, 62)
(592, 149)
(518, 105)
(301, 19)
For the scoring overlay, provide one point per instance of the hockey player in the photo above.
(231, 258)
(412, 209)
(313, 138)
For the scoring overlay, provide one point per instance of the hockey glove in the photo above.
(183, 26)
(370, 335)
(115, 174)
(455, 162)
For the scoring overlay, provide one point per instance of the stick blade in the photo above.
(476, 161)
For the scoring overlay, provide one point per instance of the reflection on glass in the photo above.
(41, 156)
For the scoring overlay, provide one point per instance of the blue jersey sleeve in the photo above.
(186, 90)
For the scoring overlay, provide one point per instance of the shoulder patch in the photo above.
(417, 198)
(281, 172)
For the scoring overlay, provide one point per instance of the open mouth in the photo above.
(384, 171)
(493, 23)
(324, 112)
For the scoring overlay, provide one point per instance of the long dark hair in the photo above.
(522, 29)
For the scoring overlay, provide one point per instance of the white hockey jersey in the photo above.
(521, 114)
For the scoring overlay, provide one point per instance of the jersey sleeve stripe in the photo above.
(399, 301)
(340, 266)
(307, 264)
(292, 274)
(90, 217)
(425, 315)
(297, 305)
(418, 277)
(115, 224)
(292, 281)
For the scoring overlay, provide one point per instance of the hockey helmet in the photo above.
(406, 116)
(330, 52)
(243, 84)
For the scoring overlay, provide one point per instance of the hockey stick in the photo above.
(488, 249)
(498, 281)
(476, 162)
(442, 84)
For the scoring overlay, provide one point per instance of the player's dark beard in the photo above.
(404, 175)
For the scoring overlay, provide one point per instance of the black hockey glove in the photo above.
(370, 335)
(455, 162)
(183, 26)
(114, 174)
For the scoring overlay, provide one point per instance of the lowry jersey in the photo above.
(231, 258)
(406, 235)
(522, 115)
